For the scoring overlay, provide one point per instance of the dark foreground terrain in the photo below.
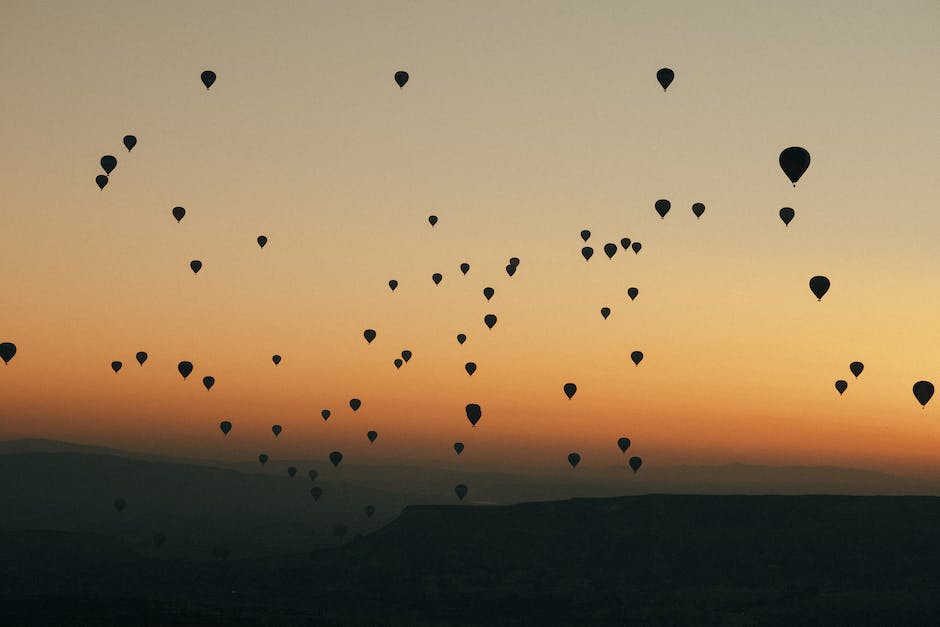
(638, 560)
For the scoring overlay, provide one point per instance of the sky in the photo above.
(522, 124)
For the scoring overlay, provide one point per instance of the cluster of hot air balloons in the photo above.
(610, 248)
(109, 162)
(855, 368)
(662, 207)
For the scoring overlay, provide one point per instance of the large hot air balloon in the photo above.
(819, 286)
(489, 320)
(635, 463)
(185, 368)
(116, 365)
(129, 142)
(369, 334)
(225, 426)
(461, 491)
(574, 459)
(665, 76)
(474, 413)
(662, 207)
(7, 351)
(335, 458)
(208, 382)
(787, 214)
(923, 391)
(178, 213)
(856, 368)
(401, 77)
(570, 389)
(207, 77)
(141, 357)
(108, 163)
(841, 386)
(794, 161)
(623, 444)
(637, 357)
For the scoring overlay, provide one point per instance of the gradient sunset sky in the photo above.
(522, 124)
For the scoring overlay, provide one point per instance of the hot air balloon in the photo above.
(372, 435)
(794, 161)
(370, 511)
(369, 334)
(208, 382)
(662, 207)
(120, 504)
(326, 414)
(605, 312)
(141, 357)
(570, 389)
(276, 430)
(856, 368)
(313, 474)
(633, 293)
(101, 180)
(262, 240)
(406, 355)
(635, 463)
(276, 359)
(195, 265)
(636, 246)
(263, 458)
(574, 459)
(178, 213)
(819, 286)
(514, 261)
(489, 320)
(401, 77)
(474, 413)
(225, 426)
(398, 363)
(665, 76)
(432, 220)
(291, 471)
(461, 491)
(587, 252)
(108, 163)
(488, 292)
(637, 357)
(461, 338)
(787, 214)
(7, 351)
(316, 492)
(116, 365)
(923, 391)
(129, 142)
(437, 277)
(698, 209)
(625, 243)
(623, 444)
(464, 268)
(392, 284)
(511, 269)
(185, 368)
(355, 404)
(208, 77)
(335, 458)
(585, 235)
(470, 367)
(458, 447)
(159, 540)
(841, 386)
(610, 250)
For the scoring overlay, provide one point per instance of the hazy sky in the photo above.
(523, 123)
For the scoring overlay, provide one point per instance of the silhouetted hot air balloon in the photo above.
(116, 365)
(208, 382)
(208, 77)
(120, 504)
(141, 357)
(819, 285)
(185, 368)
(856, 368)
(698, 209)
(585, 235)
(129, 142)
(406, 355)
(108, 163)
(313, 474)
(610, 250)
(570, 389)
(461, 338)
(787, 214)
(794, 161)
(458, 447)
(369, 334)
(465, 268)
(276, 359)
(398, 363)
(335, 458)
(355, 404)
(262, 240)
(474, 413)
(662, 207)
(574, 459)
(623, 444)
(635, 463)
(923, 391)
(225, 426)
(276, 430)
(636, 246)
(159, 540)
(841, 386)
(432, 220)
(637, 357)
(101, 180)
(401, 77)
(392, 284)
(470, 367)
(7, 351)
(511, 269)
(316, 492)
(488, 292)
(514, 261)
(178, 213)
(263, 458)
(489, 320)
(372, 435)
(461, 491)
(587, 252)
(625, 243)
(326, 414)
(195, 265)
(370, 511)
(291, 471)
(605, 312)
(665, 76)
(633, 293)
(437, 277)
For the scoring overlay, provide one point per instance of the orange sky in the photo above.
(520, 126)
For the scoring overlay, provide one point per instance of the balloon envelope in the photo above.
(178, 213)
(108, 163)
(465, 268)
(474, 413)
(262, 240)
(610, 250)
(662, 207)
(372, 435)
(326, 414)
(633, 293)
(488, 292)
(570, 389)
(355, 404)
(370, 511)
(856, 368)
(923, 391)
(276, 359)
(185, 368)
(208, 382)
(470, 367)
(335, 458)
(225, 426)
(794, 161)
(461, 338)
(195, 265)
(636, 246)
(625, 243)
(207, 77)
(406, 355)
(635, 463)
(101, 180)
(585, 235)
(398, 363)
(841, 386)
(623, 444)
(369, 334)
(787, 214)
(511, 269)
(129, 142)
(437, 277)
(313, 474)
(489, 320)
(637, 357)
(574, 459)
(698, 209)
(587, 252)
(401, 77)
(120, 504)
(461, 491)
(432, 220)
(392, 284)
(141, 357)
(316, 492)
(291, 471)
(458, 447)
(263, 458)
(665, 77)
(276, 430)
(116, 365)
(7, 351)
(605, 312)
(819, 286)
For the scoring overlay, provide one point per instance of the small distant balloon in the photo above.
(665, 77)
(276, 359)
(574, 459)
(141, 357)
(291, 471)
(7, 351)
(276, 430)
(585, 235)
(129, 142)
(159, 540)
(587, 252)
(474, 413)
(662, 207)
(819, 286)
(841, 386)
(335, 458)
(108, 163)
(178, 213)
(116, 365)
(625, 243)
(461, 491)
(464, 268)
(437, 277)
(610, 250)
(208, 77)
(514, 261)
(923, 392)
(406, 355)
(605, 312)
(635, 463)
(313, 474)
(208, 382)
(401, 77)
(392, 284)
(195, 265)
(432, 220)
(511, 269)
(398, 363)
(470, 367)
(489, 320)
(488, 292)
(225, 426)
(633, 293)
(698, 209)
(637, 357)
(856, 368)
(101, 180)
(794, 161)
(461, 338)
(370, 511)
(369, 334)
(325, 414)
(120, 504)
(623, 444)
(458, 447)
(263, 458)
(355, 404)
(262, 240)
(372, 435)
(185, 368)
(636, 246)
(316, 492)
(570, 389)
(787, 214)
